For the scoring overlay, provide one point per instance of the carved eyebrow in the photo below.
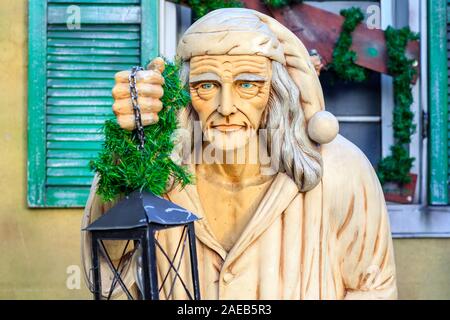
(208, 76)
(249, 77)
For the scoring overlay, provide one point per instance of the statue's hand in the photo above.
(149, 86)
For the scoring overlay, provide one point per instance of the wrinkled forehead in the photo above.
(229, 66)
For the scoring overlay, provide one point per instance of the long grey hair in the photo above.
(288, 144)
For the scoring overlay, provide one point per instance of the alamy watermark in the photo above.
(73, 280)
(73, 21)
(373, 17)
(239, 146)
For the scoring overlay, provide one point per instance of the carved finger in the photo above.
(122, 76)
(146, 76)
(149, 118)
(127, 122)
(122, 91)
(147, 105)
(150, 76)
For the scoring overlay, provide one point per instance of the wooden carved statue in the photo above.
(306, 221)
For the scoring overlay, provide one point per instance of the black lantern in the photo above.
(135, 221)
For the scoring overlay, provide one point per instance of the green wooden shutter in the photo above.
(72, 72)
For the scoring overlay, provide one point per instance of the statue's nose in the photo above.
(227, 104)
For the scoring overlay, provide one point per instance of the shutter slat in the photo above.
(63, 196)
(80, 83)
(73, 145)
(106, 75)
(81, 101)
(93, 43)
(94, 59)
(77, 35)
(69, 181)
(98, 27)
(85, 67)
(62, 51)
(73, 172)
(88, 128)
(66, 163)
(75, 93)
(76, 119)
(75, 137)
(72, 154)
(104, 111)
(92, 14)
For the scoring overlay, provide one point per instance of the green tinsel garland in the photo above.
(397, 166)
(123, 168)
(202, 7)
(281, 3)
(343, 64)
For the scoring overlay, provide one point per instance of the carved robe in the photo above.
(332, 242)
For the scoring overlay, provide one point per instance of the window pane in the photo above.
(337, 6)
(367, 136)
(352, 99)
(184, 20)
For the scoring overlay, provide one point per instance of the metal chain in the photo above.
(136, 108)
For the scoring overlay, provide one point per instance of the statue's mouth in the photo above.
(228, 127)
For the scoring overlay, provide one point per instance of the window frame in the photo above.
(169, 26)
(431, 217)
(389, 13)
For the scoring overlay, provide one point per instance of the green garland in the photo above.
(202, 7)
(123, 168)
(276, 4)
(397, 166)
(343, 64)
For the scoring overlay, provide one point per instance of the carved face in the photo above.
(230, 94)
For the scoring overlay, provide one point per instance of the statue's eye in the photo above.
(207, 86)
(246, 85)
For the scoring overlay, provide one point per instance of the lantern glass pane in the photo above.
(174, 264)
(116, 273)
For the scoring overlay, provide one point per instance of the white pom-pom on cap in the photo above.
(323, 127)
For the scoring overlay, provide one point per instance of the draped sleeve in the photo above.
(360, 224)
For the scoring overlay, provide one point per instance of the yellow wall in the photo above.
(423, 268)
(37, 246)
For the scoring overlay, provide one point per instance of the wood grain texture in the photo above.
(332, 242)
